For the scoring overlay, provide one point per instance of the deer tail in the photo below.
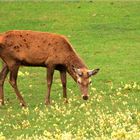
(1, 38)
(1, 44)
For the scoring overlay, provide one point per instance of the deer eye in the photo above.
(80, 74)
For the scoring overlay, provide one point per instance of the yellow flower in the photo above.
(25, 124)
(120, 134)
(87, 113)
(127, 86)
(82, 105)
(118, 93)
(30, 86)
(9, 109)
(17, 126)
(25, 111)
(2, 137)
(124, 103)
(47, 134)
(67, 136)
(20, 74)
(134, 85)
(93, 89)
(26, 73)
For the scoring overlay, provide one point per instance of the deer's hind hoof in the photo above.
(66, 100)
(1, 102)
(47, 103)
(23, 105)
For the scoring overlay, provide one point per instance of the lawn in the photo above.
(106, 34)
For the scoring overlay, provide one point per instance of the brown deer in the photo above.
(33, 48)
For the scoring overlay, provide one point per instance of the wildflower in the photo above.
(30, 86)
(124, 103)
(126, 95)
(118, 93)
(26, 73)
(134, 85)
(9, 109)
(138, 87)
(55, 125)
(119, 134)
(57, 119)
(25, 111)
(57, 136)
(127, 86)
(82, 105)
(99, 98)
(66, 136)
(47, 134)
(93, 89)
(36, 109)
(17, 126)
(87, 113)
(25, 124)
(20, 74)
(94, 15)
(2, 137)
(119, 89)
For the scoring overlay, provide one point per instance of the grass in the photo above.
(106, 34)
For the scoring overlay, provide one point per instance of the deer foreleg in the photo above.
(50, 72)
(13, 82)
(3, 75)
(64, 82)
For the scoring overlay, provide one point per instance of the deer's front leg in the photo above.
(3, 75)
(50, 72)
(64, 83)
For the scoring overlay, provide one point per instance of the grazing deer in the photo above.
(32, 48)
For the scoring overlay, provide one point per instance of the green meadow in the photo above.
(106, 34)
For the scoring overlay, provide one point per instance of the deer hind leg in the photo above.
(50, 72)
(3, 75)
(64, 82)
(13, 82)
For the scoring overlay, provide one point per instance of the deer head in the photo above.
(83, 79)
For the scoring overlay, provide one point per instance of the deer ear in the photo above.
(93, 72)
(77, 71)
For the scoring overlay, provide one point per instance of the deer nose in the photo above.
(85, 97)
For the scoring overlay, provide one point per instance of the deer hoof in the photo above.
(66, 100)
(23, 104)
(47, 103)
(1, 102)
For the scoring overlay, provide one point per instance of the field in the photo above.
(106, 34)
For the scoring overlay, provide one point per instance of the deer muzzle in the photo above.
(84, 91)
(85, 97)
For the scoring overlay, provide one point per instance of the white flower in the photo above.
(26, 73)
(20, 74)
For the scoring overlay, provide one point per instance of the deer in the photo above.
(42, 49)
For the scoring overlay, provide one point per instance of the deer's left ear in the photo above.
(93, 72)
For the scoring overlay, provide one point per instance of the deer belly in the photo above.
(33, 60)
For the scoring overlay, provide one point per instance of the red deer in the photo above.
(33, 48)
